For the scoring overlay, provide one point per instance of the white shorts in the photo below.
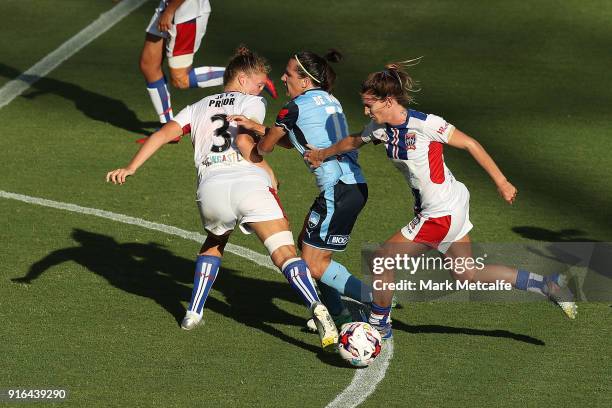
(442, 230)
(224, 202)
(182, 40)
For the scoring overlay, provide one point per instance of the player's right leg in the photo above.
(151, 59)
(278, 240)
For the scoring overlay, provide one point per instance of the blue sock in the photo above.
(339, 278)
(297, 273)
(203, 77)
(531, 282)
(331, 299)
(160, 97)
(205, 273)
(379, 316)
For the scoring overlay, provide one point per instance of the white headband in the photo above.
(304, 69)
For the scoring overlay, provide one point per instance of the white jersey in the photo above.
(416, 149)
(189, 10)
(231, 190)
(213, 137)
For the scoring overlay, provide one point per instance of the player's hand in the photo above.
(166, 20)
(118, 176)
(314, 156)
(242, 121)
(507, 191)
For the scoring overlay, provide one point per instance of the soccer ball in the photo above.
(359, 343)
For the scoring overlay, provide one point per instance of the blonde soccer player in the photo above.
(232, 191)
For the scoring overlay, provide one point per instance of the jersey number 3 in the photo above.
(222, 138)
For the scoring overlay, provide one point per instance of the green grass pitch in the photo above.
(529, 80)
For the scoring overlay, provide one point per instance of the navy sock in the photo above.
(205, 274)
(379, 316)
(297, 273)
(331, 299)
(531, 282)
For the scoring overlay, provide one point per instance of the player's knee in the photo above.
(180, 81)
(464, 275)
(148, 66)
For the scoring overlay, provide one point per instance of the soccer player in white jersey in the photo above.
(414, 142)
(231, 190)
(177, 27)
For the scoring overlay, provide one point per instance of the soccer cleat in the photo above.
(385, 330)
(270, 88)
(325, 326)
(559, 294)
(340, 320)
(191, 320)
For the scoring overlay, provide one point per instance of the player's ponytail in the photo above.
(393, 82)
(317, 68)
(247, 61)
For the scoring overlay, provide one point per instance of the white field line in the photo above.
(15, 87)
(242, 252)
(364, 381)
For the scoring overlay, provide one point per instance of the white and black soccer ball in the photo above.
(359, 343)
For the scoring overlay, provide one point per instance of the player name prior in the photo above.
(436, 286)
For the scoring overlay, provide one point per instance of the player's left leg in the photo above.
(552, 286)
(397, 244)
(183, 42)
(208, 263)
(326, 230)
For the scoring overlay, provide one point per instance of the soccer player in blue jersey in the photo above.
(414, 142)
(314, 117)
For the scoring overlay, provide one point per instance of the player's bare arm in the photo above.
(460, 140)
(316, 156)
(167, 17)
(167, 133)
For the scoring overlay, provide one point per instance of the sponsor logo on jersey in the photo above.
(442, 129)
(233, 157)
(410, 141)
(313, 219)
(338, 239)
(413, 224)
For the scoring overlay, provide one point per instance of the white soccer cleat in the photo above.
(343, 318)
(569, 308)
(559, 294)
(325, 326)
(191, 320)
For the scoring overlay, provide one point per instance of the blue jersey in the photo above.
(316, 118)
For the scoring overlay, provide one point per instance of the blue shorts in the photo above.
(333, 215)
